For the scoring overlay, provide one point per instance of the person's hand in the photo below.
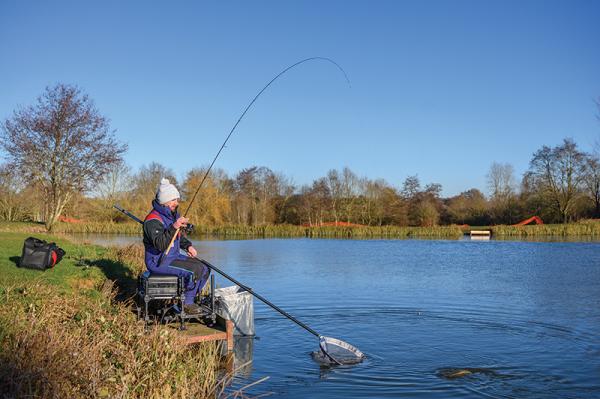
(192, 251)
(181, 222)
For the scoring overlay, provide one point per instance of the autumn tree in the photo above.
(381, 204)
(212, 205)
(468, 207)
(144, 184)
(63, 144)
(424, 205)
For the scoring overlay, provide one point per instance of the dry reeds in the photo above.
(76, 346)
(583, 228)
(98, 228)
(275, 230)
(286, 230)
(131, 255)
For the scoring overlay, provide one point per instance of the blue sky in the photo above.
(439, 88)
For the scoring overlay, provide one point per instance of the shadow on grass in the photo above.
(15, 260)
(124, 278)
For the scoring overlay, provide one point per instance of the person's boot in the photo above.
(192, 308)
(204, 301)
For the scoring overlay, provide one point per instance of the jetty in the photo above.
(198, 332)
(480, 234)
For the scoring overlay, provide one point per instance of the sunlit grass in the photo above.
(64, 334)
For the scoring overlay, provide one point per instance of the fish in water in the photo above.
(451, 373)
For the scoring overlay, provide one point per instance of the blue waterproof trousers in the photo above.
(195, 274)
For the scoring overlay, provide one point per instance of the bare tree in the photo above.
(558, 174)
(380, 203)
(286, 189)
(501, 185)
(316, 201)
(144, 185)
(12, 206)
(349, 192)
(334, 187)
(501, 180)
(259, 194)
(592, 182)
(116, 181)
(63, 143)
(411, 187)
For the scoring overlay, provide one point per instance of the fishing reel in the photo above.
(188, 229)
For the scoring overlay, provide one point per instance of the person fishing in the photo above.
(160, 226)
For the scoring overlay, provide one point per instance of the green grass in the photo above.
(74, 270)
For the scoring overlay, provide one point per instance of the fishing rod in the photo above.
(228, 277)
(324, 342)
(240, 119)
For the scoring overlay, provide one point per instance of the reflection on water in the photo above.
(243, 350)
(526, 312)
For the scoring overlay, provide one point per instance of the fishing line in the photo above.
(250, 105)
(240, 119)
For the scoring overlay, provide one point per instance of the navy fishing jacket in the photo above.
(158, 232)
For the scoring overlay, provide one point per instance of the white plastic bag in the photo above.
(235, 304)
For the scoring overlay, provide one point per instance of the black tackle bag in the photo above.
(39, 254)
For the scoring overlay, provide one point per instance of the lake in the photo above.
(526, 313)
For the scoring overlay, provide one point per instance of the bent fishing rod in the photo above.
(243, 286)
(237, 123)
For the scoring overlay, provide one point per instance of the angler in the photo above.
(163, 241)
(162, 226)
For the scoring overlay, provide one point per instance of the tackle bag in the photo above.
(39, 254)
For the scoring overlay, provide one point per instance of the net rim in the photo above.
(323, 340)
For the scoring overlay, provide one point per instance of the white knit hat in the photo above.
(166, 192)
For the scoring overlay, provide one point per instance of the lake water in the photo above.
(526, 312)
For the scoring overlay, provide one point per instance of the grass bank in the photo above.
(63, 333)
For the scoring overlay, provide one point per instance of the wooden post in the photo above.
(229, 329)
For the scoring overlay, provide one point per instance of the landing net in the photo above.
(334, 351)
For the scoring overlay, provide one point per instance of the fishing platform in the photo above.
(480, 233)
(197, 332)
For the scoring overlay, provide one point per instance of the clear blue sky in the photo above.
(439, 88)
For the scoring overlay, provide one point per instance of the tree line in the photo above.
(61, 158)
